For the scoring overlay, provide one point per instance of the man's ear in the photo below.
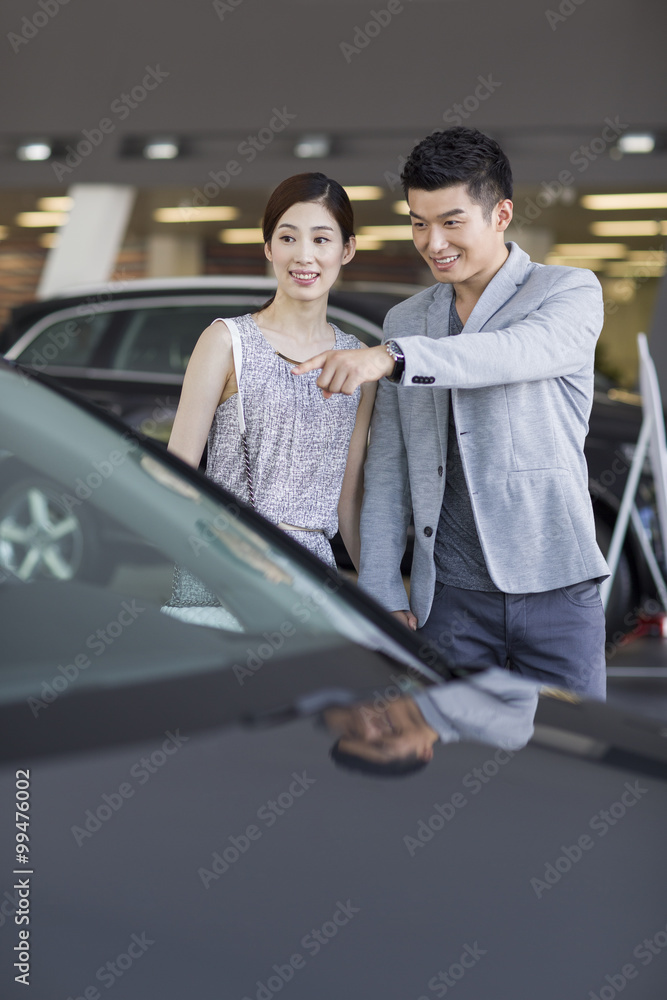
(503, 211)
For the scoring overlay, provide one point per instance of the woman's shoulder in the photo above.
(346, 341)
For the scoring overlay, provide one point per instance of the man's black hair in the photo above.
(460, 156)
(398, 768)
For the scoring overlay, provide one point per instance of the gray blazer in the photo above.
(521, 379)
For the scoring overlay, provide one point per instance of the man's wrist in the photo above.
(398, 358)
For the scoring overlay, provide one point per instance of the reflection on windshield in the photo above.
(393, 736)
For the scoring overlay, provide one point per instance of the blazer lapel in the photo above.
(501, 288)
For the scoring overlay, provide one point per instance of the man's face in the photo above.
(392, 731)
(451, 234)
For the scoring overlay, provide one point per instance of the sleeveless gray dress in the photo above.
(297, 440)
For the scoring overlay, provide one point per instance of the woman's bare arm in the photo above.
(209, 379)
(352, 491)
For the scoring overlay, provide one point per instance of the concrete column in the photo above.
(537, 241)
(89, 243)
(170, 255)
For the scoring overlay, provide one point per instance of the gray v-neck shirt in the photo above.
(459, 560)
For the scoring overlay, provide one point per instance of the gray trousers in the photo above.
(557, 636)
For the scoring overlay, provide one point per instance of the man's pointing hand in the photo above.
(344, 371)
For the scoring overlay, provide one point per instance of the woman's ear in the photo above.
(267, 251)
(349, 250)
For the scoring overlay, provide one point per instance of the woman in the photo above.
(306, 452)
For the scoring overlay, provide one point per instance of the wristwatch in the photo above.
(395, 352)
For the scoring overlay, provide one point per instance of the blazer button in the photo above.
(428, 532)
(440, 470)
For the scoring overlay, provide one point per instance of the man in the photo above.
(488, 375)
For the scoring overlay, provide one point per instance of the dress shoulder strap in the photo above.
(237, 353)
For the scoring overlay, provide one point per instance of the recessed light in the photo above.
(37, 150)
(313, 146)
(161, 149)
(636, 142)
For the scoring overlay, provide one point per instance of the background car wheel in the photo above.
(623, 598)
(42, 537)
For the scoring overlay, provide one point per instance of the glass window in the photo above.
(92, 527)
(72, 342)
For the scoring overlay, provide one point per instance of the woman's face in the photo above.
(307, 250)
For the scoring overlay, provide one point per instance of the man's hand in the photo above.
(406, 618)
(344, 371)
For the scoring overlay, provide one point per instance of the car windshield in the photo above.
(93, 529)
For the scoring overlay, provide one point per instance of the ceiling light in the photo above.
(161, 149)
(313, 147)
(600, 250)
(38, 150)
(401, 208)
(387, 232)
(636, 142)
(592, 263)
(241, 236)
(364, 192)
(191, 213)
(41, 220)
(619, 202)
(656, 256)
(634, 269)
(368, 243)
(63, 203)
(629, 227)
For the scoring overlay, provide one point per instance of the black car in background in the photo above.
(125, 346)
(178, 820)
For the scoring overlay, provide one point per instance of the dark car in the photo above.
(126, 345)
(181, 817)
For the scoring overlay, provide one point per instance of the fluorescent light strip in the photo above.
(387, 232)
(41, 220)
(597, 250)
(190, 213)
(629, 227)
(241, 236)
(364, 192)
(621, 202)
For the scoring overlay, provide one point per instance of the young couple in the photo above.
(484, 388)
